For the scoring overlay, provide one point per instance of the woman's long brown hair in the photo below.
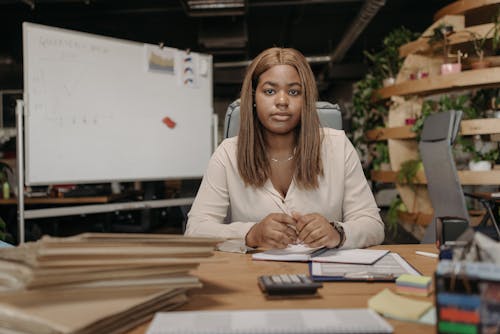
(253, 164)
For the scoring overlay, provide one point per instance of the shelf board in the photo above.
(461, 36)
(466, 177)
(482, 126)
(462, 6)
(400, 132)
(488, 77)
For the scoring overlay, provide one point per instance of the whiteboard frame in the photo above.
(21, 114)
(149, 173)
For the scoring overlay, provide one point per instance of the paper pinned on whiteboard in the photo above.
(161, 60)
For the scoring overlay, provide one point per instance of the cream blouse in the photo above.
(343, 195)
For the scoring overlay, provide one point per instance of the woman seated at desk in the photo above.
(284, 178)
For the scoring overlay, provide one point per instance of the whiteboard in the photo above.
(99, 109)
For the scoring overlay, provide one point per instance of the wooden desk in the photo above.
(232, 285)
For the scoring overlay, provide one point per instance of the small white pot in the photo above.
(388, 82)
(480, 166)
(496, 114)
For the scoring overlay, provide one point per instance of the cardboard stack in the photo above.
(96, 283)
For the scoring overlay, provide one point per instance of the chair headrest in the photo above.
(329, 114)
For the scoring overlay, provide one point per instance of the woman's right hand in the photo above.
(276, 230)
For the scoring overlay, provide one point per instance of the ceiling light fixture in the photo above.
(214, 7)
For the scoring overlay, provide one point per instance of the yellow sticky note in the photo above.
(414, 279)
(390, 304)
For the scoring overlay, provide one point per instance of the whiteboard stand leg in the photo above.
(20, 168)
(215, 131)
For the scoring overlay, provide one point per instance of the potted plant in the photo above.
(381, 157)
(495, 105)
(480, 44)
(387, 62)
(439, 41)
(407, 173)
(395, 208)
(4, 179)
(483, 154)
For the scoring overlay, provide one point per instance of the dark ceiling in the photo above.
(315, 27)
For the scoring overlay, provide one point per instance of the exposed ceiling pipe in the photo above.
(365, 15)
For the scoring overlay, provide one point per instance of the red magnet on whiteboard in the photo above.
(168, 122)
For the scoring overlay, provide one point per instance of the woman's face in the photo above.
(279, 98)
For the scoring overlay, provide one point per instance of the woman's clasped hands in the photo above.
(278, 230)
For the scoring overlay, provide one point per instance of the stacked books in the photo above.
(96, 283)
(414, 285)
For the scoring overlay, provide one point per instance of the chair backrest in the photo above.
(329, 116)
(445, 191)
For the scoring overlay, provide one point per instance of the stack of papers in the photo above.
(387, 268)
(303, 253)
(96, 283)
(414, 285)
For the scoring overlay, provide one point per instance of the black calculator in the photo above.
(288, 284)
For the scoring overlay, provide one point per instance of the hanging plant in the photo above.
(395, 207)
(381, 155)
(407, 174)
(367, 114)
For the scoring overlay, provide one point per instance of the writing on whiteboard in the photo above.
(63, 43)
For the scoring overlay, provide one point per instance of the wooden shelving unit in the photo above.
(488, 77)
(463, 6)
(401, 132)
(469, 127)
(462, 36)
(466, 177)
(407, 101)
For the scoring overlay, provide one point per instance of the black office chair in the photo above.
(451, 217)
(329, 116)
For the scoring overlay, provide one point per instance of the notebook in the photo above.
(388, 268)
(303, 253)
(301, 321)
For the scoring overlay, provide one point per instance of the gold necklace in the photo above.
(284, 160)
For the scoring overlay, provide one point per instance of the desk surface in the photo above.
(231, 284)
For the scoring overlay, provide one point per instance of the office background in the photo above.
(332, 33)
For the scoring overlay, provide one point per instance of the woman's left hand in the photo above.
(315, 230)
